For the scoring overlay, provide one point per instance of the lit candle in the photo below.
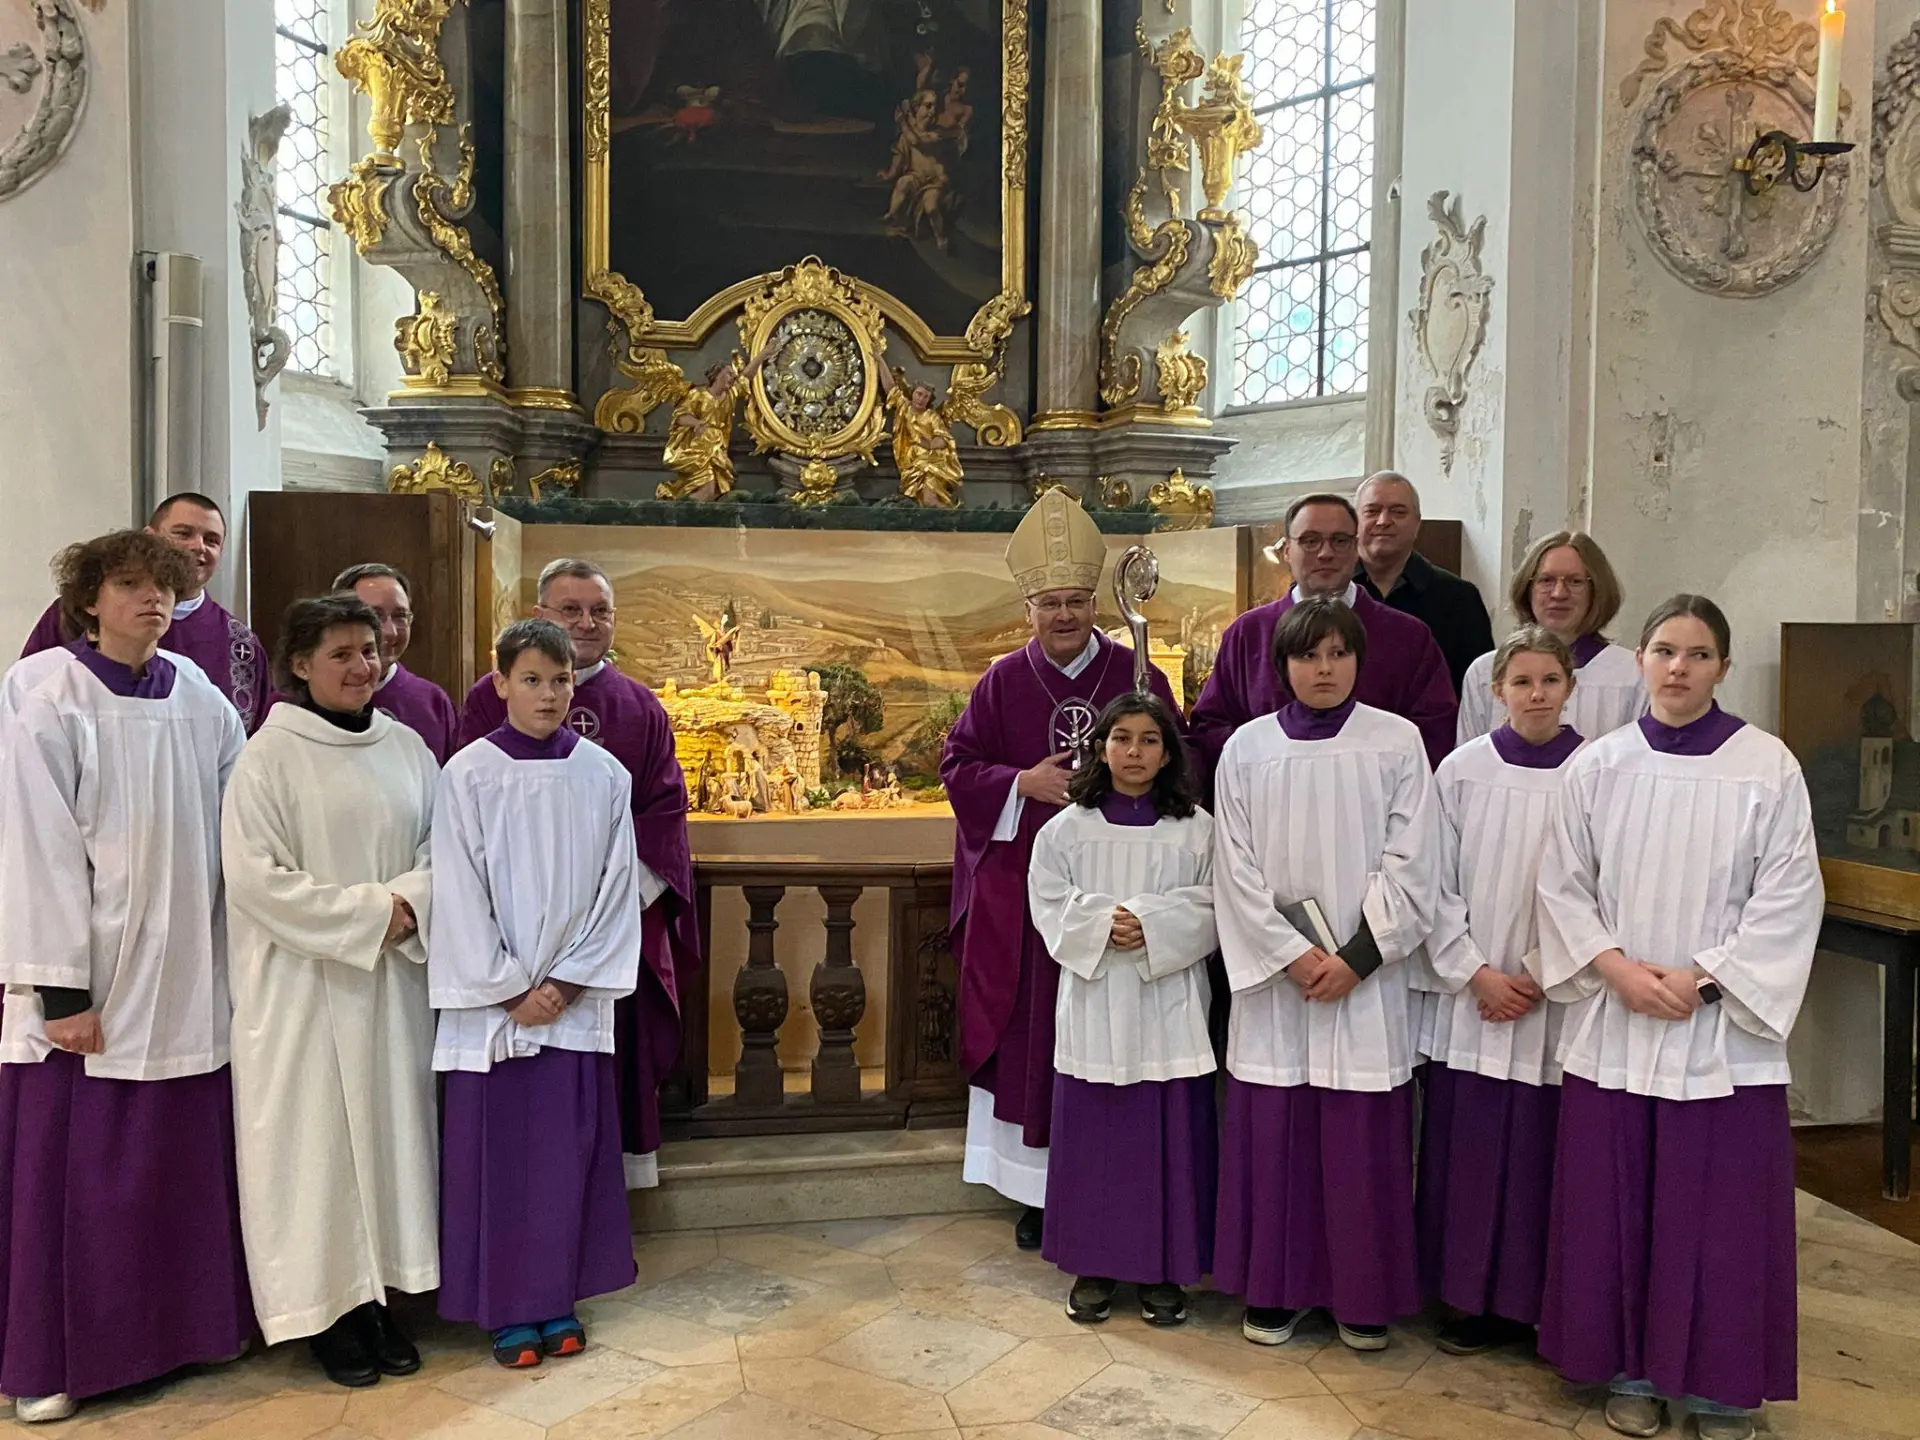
(1826, 85)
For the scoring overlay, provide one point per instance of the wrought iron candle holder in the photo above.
(1777, 156)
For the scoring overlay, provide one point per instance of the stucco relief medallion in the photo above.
(1694, 206)
(43, 88)
(1450, 322)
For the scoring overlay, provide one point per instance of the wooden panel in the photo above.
(1876, 888)
(300, 541)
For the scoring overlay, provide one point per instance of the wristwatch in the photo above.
(1709, 991)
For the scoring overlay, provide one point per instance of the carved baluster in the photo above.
(760, 1005)
(838, 993)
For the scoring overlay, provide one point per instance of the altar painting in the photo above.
(895, 628)
(743, 134)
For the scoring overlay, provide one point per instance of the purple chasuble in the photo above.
(1007, 980)
(1404, 673)
(625, 717)
(421, 706)
(519, 745)
(1511, 747)
(230, 653)
(1121, 809)
(1585, 648)
(154, 682)
(1302, 722)
(1697, 737)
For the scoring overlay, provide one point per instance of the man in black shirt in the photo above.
(1389, 509)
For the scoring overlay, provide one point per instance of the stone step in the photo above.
(782, 1179)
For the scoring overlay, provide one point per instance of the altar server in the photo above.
(1680, 901)
(1006, 768)
(1326, 836)
(537, 896)
(1566, 585)
(225, 650)
(1121, 891)
(625, 718)
(413, 700)
(325, 841)
(120, 1257)
(1493, 1087)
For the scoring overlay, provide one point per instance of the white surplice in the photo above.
(334, 1103)
(535, 878)
(1494, 823)
(1607, 693)
(110, 865)
(1353, 823)
(1124, 1016)
(1682, 861)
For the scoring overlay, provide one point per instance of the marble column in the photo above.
(1068, 315)
(539, 198)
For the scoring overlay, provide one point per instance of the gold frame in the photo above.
(814, 285)
(628, 303)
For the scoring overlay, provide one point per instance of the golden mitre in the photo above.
(1056, 547)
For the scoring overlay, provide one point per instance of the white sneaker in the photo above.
(44, 1409)
(1635, 1414)
(1723, 1427)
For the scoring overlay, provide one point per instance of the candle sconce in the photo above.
(1775, 156)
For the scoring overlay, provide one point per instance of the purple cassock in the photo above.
(421, 706)
(626, 718)
(1404, 673)
(1022, 711)
(230, 653)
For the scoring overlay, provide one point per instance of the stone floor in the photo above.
(938, 1329)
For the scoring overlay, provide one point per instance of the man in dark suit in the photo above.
(1391, 572)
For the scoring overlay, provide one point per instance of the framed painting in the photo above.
(727, 139)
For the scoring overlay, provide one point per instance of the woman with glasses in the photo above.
(623, 717)
(1566, 585)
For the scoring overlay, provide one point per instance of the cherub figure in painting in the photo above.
(922, 186)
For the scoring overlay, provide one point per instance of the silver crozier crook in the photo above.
(1135, 579)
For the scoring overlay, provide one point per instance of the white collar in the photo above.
(1348, 599)
(187, 607)
(1079, 662)
(392, 670)
(581, 677)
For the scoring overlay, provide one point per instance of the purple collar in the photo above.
(521, 746)
(1696, 737)
(1302, 722)
(1129, 809)
(153, 683)
(1515, 749)
(1585, 648)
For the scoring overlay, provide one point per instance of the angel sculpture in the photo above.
(923, 449)
(702, 423)
(720, 640)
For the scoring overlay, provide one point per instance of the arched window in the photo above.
(1300, 325)
(303, 71)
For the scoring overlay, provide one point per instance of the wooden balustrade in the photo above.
(923, 1084)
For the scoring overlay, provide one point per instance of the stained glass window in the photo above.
(1301, 322)
(302, 67)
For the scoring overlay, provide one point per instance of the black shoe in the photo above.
(392, 1352)
(344, 1355)
(1477, 1334)
(1091, 1300)
(1269, 1324)
(1163, 1304)
(1026, 1230)
(1361, 1337)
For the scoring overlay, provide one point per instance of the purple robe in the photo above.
(1404, 673)
(1007, 979)
(421, 706)
(625, 717)
(230, 653)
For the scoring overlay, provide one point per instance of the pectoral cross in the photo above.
(1716, 150)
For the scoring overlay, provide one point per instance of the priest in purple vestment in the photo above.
(1005, 769)
(413, 700)
(1405, 673)
(231, 654)
(624, 716)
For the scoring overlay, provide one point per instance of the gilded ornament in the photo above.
(1755, 32)
(425, 340)
(1016, 49)
(1114, 493)
(701, 429)
(598, 71)
(1169, 147)
(437, 471)
(923, 448)
(500, 477)
(1166, 250)
(1178, 500)
(429, 189)
(818, 395)
(394, 59)
(564, 476)
(1223, 126)
(819, 484)
(1043, 482)
(1180, 374)
(1235, 254)
(359, 203)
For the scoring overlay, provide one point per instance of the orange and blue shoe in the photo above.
(517, 1346)
(565, 1336)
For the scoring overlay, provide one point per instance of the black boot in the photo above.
(392, 1352)
(1026, 1230)
(343, 1354)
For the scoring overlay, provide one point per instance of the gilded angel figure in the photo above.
(702, 424)
(923, 448)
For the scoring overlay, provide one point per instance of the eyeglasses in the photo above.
(1572, 584)
(1313, 542)
(1075, 605)
(600, 615)
(398, 617)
